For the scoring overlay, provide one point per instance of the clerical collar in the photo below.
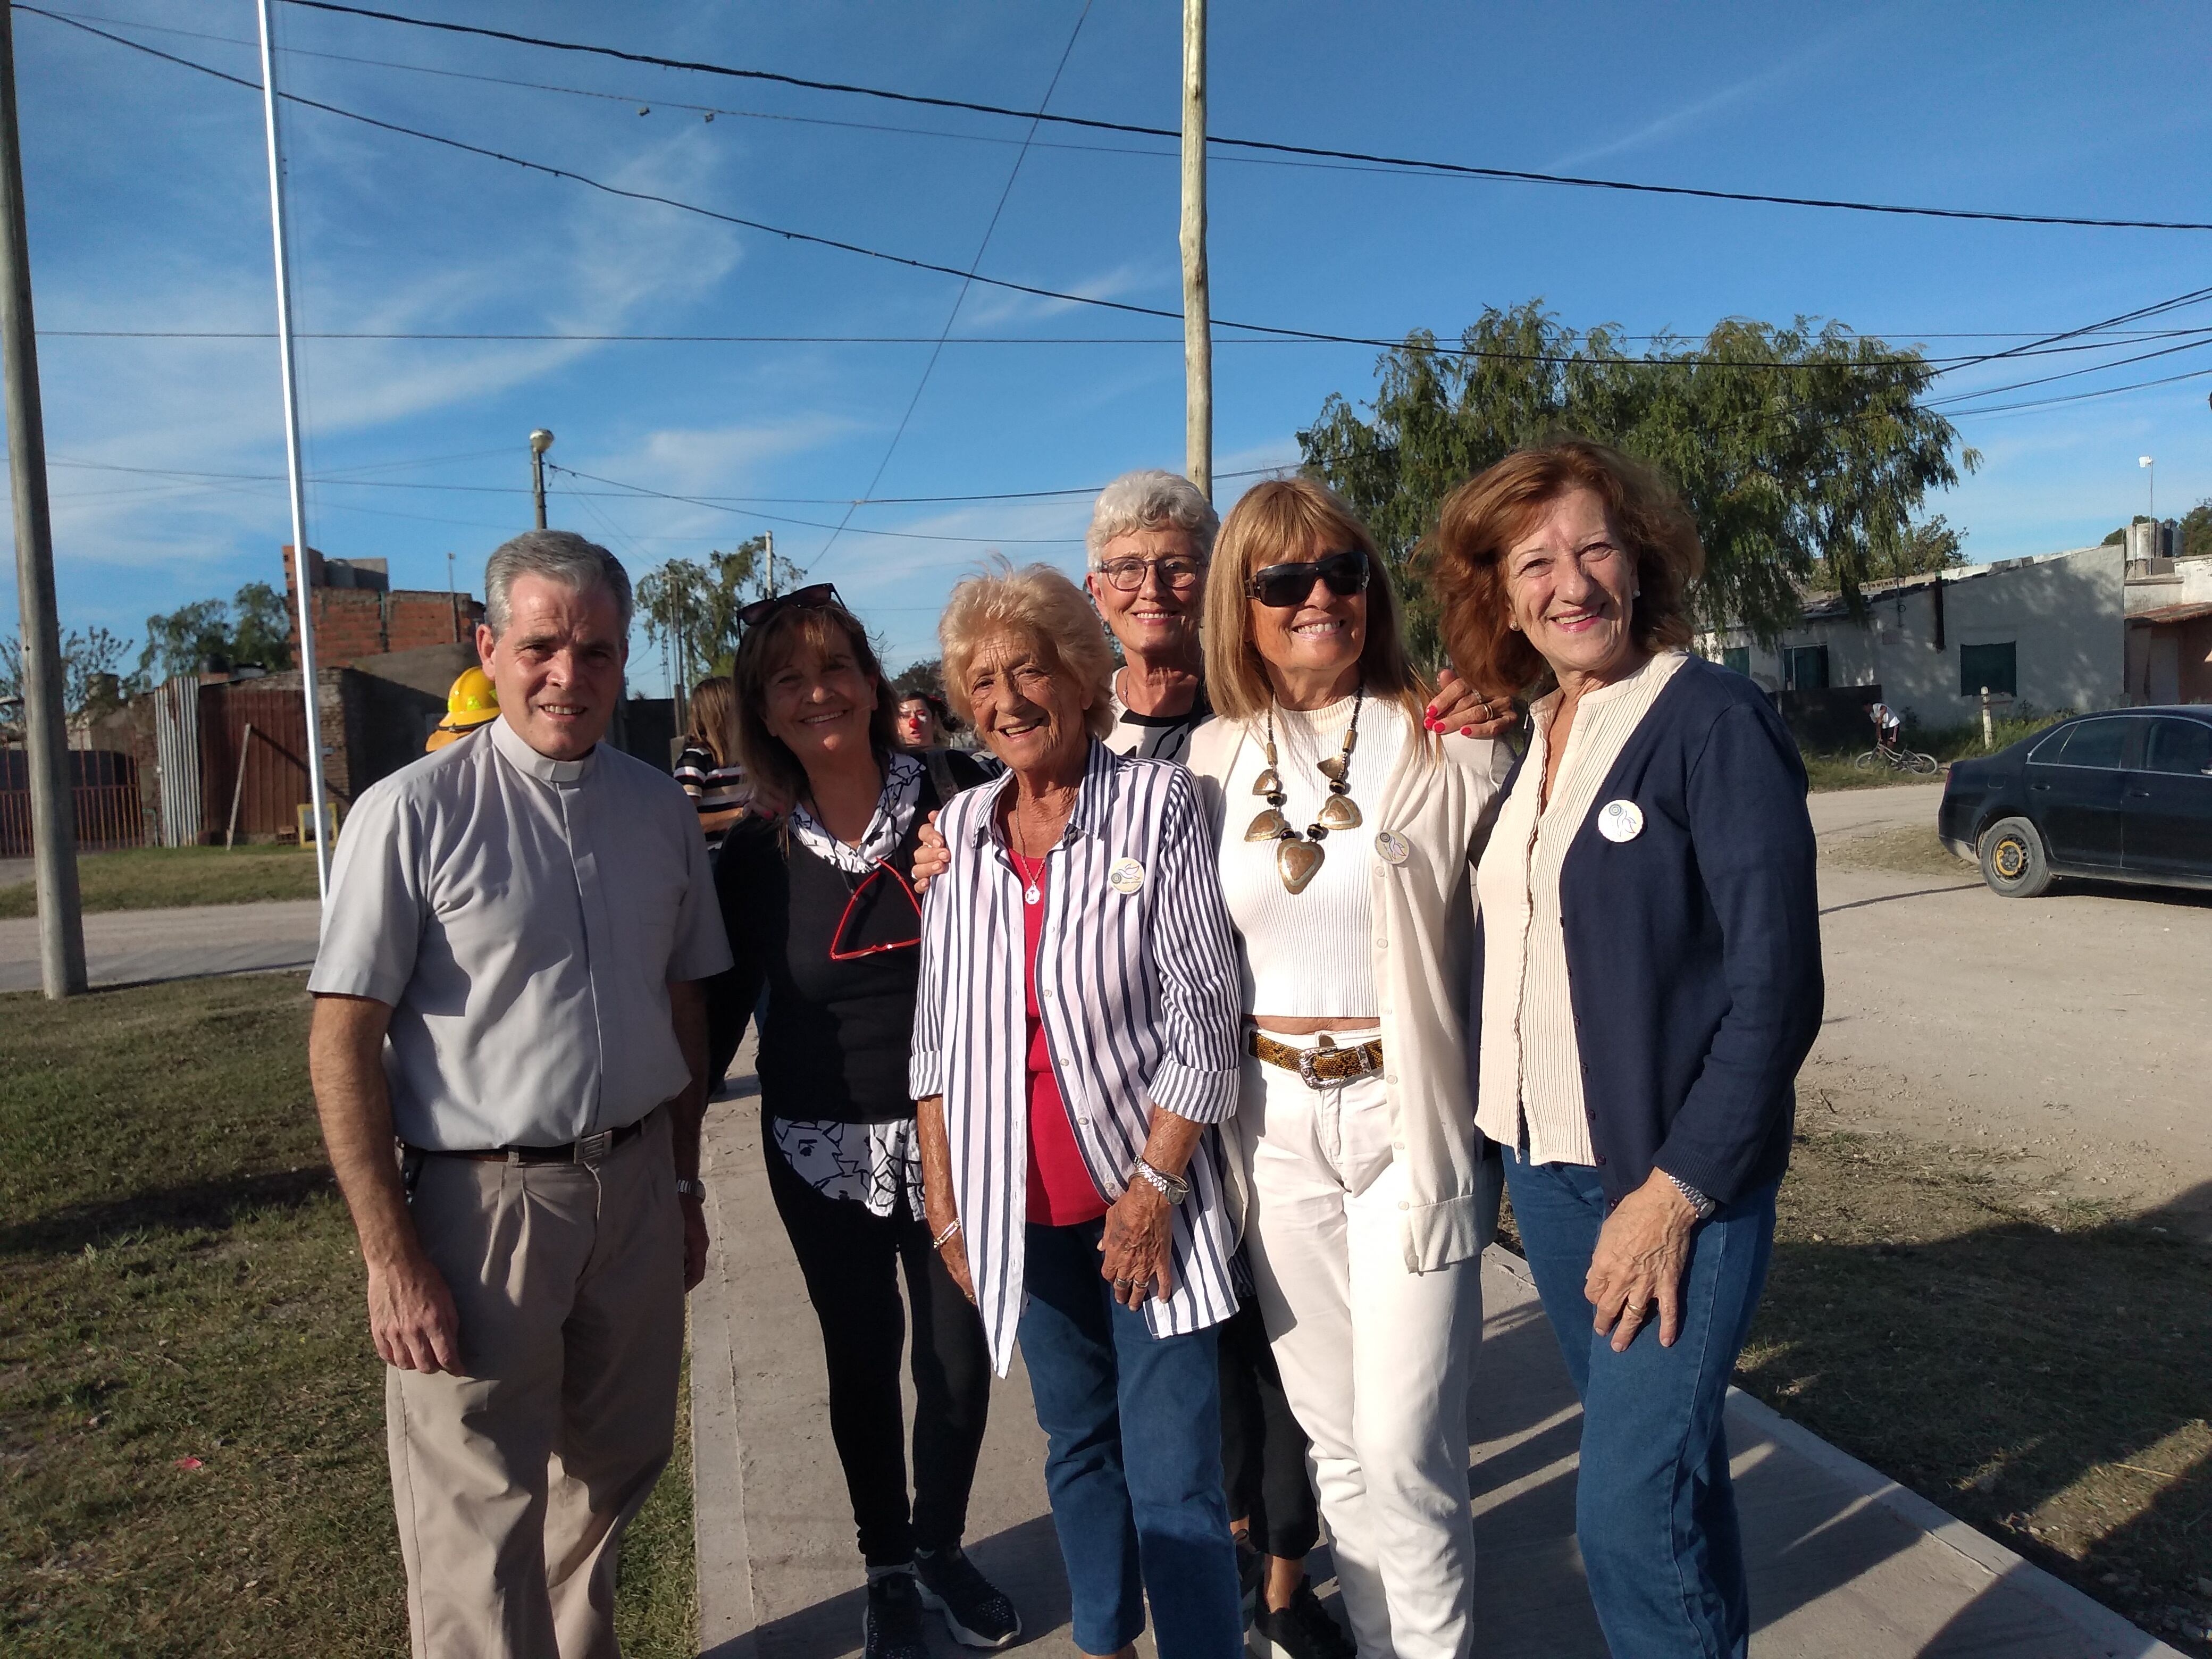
(544, 768)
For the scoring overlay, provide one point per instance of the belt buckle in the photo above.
(590, 1149)
(1308, 1059)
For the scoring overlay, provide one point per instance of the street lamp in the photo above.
(2150, 465)
(540, 441)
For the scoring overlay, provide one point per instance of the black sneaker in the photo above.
(892, 1628)
(977, 1611)
(1303, 1629)
(1251, 1570)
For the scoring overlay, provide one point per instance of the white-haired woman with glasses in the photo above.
(817, 897)
(1346, 832)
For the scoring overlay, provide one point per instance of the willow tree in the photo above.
(1803, 452)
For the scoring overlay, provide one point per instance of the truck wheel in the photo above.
(2013, 861)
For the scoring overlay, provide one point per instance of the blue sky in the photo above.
(148, 204)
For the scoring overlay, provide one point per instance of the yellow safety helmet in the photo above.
(471, 702)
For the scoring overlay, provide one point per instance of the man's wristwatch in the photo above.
(1174, 1189)
(690, 1189)
(1703, 1205)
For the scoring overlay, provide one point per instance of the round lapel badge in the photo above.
(1126, 877)
(1620, 820)
(1392, 848)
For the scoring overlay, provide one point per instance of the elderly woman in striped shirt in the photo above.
(1074, 1046)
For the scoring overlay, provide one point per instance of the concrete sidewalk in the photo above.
(134, 947)
(1844, 1564)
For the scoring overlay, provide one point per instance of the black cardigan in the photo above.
(1693, 949)
(835, 1035)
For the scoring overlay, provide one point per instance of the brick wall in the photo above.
(353, 622)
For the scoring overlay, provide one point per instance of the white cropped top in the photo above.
(1309, 954)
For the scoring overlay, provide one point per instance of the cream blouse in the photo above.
(1530, 1093)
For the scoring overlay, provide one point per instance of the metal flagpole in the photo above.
(319, 802)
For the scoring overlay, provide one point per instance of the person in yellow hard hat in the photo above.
(471, 702)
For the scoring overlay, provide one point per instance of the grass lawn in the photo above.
(192, 1425)
(163, 877)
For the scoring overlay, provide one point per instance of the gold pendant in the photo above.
(1296, 862)
(1267, 826)
(1268, 783)
(1340, 813)
(1332, 768)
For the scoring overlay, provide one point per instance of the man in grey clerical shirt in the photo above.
(508, 990)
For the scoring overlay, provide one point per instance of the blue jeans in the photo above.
(1135, 1513)
(1655, 1511)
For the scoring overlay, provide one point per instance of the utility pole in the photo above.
(317, 798)
(771, 536)
(1197, 317)
(46, 732)
(540, 441)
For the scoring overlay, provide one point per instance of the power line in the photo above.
(1515, 175)
(1032, 289)
(960, 299)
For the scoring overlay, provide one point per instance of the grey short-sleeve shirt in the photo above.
(523, 916)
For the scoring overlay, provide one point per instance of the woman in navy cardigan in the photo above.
(1648, 983)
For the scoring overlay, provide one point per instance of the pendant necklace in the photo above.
(1033, 890)
(1298, 856)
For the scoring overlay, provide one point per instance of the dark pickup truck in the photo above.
(2125, 796)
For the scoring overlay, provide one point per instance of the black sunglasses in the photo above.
(819, 596)
(1285, 587)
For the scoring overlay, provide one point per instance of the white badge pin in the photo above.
(1620, 820)
(1126, 877)
(1392, 848)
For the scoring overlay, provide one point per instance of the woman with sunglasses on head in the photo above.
(1347, 830)
(817, 903)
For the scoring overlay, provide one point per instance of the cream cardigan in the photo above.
(1424, 949)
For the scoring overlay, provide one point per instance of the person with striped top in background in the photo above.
(1074, 1046)
(708, 768)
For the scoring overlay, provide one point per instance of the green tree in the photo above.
(1802, 452)
(692, 607)
(2196, 531)
(252, 627)
(917, 677)
(91, 674)
(1919, 549)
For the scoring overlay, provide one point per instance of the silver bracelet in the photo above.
(944, 1237)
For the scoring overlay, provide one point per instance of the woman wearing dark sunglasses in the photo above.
(818, 900)
(1346, 830)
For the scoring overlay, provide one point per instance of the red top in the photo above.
(1060, 1190)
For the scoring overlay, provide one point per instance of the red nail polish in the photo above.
(1466, 731)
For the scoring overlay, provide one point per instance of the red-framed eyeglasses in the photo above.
(867, 881)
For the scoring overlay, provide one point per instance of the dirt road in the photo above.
(2075, 1030)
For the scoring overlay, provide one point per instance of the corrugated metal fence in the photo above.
(177, 759)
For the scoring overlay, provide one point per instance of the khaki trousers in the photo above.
(514, 1479)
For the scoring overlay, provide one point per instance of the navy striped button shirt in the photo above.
(1137, 983)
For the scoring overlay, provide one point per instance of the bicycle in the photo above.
(1898, 759)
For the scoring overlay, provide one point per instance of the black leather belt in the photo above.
(590, 1150)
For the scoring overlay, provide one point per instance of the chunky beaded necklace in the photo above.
(1298, 856)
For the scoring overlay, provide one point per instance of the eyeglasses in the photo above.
(857, 953)
(1285, 587)
(820, 596)
(1128, 575)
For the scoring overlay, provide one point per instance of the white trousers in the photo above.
(1376, 1360)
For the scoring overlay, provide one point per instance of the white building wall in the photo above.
(2064, 614)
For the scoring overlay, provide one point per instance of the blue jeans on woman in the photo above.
(1655, 1511)
(1137, 1512)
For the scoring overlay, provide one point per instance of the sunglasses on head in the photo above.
(819, 596)
(1285, 587)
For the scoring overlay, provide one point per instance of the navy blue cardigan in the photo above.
(1693, 949)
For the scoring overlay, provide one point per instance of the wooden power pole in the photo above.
(1197, 317)
(45, 731)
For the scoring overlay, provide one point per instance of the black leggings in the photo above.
(850, 1260)
(1263, 1449)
